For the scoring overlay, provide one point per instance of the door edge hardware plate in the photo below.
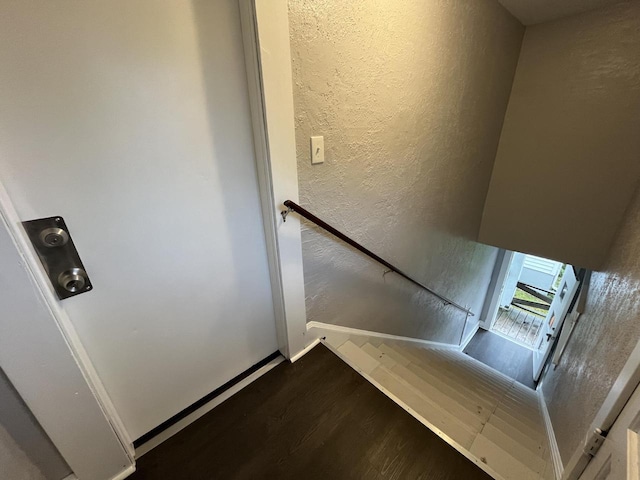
(53, 243)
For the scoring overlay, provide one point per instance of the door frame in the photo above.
(540, 357)
(265, 31)
(100, 448)
(43, 348)
(491, 305)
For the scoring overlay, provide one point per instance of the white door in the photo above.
(553, 322)
(131, 120)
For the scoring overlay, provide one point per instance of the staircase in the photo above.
(491, 419)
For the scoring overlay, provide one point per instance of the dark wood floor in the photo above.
(314, 419)
(507, 357)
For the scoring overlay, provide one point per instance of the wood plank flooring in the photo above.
(499, 353)
(314, 419)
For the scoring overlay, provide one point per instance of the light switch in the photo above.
(317, 150)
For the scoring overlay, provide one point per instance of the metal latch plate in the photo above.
(53, 243)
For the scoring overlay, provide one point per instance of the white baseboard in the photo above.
(189, 419)
(466, 341)
(367, 333)
(306, 350)
(120, 476)
(553, 444)
(125, 473)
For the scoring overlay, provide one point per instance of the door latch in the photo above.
(53, 244)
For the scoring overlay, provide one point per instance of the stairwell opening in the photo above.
(523, 321)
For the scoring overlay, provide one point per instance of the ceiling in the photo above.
(530, 12)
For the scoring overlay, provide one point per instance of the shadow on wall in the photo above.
(602, 341)
(410, 100)
(229, 121)
(357, 293)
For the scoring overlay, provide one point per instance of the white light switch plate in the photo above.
(317, 150)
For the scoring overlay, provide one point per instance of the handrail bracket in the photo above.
(286, 212)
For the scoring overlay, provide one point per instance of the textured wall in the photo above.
(531, 12)
(601, 342)
(571, 129)
(410, 97)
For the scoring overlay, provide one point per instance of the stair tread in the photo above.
(534, 444)
(532, 420)
(490, 375)
(489, 383)
(365, 363)
(534, 460)
(439, 421)
(501, 461)
(465, 412)
(536, 433)
(473, 397)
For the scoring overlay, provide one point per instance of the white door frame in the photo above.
(40, 350)
(265, 30)
(542, 349)
(43, 358)
(492, 303)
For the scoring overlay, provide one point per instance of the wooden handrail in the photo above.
(292, 206)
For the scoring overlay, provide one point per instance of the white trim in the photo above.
(125, 473)
(558, 468)
(47, 364)
(301, 354)
(466, 341)
(263, 167)
(489, 312)
(450, 441)
(357, 331)
(542, 265)
(206, 408)
(265, 30)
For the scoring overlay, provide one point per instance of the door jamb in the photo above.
(265, 31)
(49, 338)
(494, 292)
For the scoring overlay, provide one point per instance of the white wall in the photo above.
(131, 120)
(410, 97)
(567, 164)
